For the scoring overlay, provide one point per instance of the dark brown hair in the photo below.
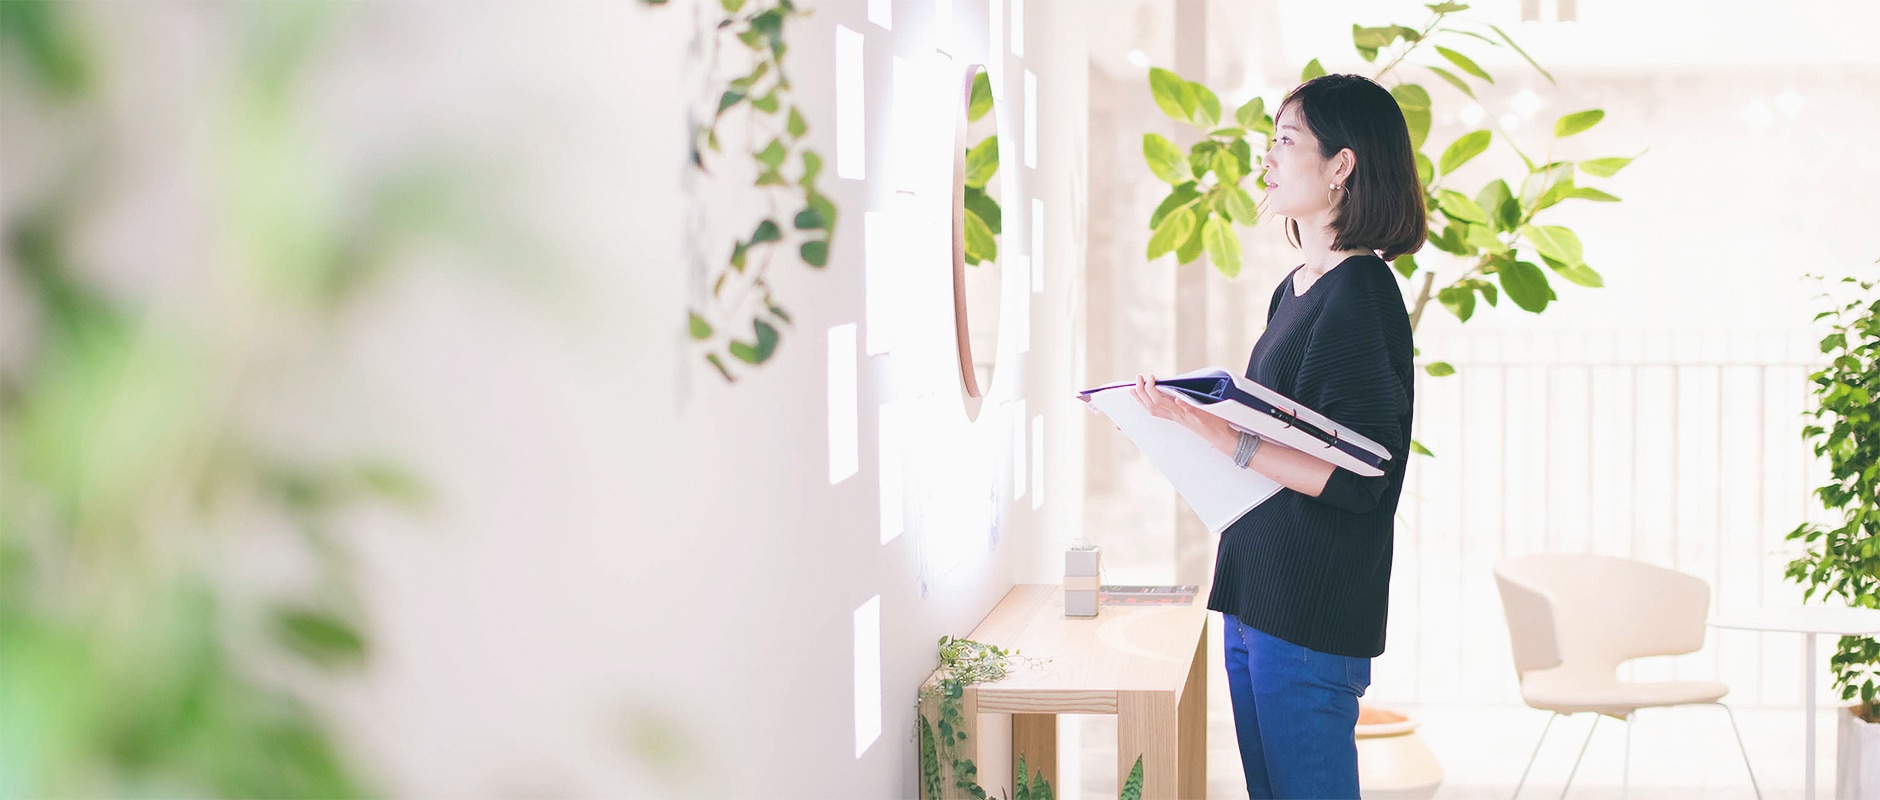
(1382, 208)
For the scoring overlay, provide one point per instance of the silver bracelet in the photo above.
(1249, 444)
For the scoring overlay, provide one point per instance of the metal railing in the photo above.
(1682, 450)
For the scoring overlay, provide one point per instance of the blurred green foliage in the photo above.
(135, 660)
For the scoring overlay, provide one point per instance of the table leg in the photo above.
(1147, 725)
(1193, 711)
(1808, 702)
(1034, 738)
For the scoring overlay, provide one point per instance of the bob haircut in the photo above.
(1382, 208)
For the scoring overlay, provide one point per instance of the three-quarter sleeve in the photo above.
(1354, 371)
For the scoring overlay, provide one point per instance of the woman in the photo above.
(1303, 580)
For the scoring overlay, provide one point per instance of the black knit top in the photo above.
(1315, 571)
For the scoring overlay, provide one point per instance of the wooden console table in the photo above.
(1145, 664)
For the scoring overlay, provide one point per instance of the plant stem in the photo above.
(1412, 46)
(1423, 299)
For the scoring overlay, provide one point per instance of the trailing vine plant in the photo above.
(1841, 558)
(940, 724)
(1496, 235)
(738, 324)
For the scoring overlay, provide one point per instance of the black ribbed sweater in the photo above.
(1315, 571)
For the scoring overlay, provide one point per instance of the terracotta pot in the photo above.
(1393, 761)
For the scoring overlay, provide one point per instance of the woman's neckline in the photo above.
(1293, 284)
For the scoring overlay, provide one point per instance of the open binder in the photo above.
(1205, 477)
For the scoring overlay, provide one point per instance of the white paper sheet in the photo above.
(1206, 478)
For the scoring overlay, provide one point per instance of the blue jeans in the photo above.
(1295, 713)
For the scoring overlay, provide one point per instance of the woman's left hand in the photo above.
(1167, 407)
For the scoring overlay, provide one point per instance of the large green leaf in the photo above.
(1252, 115)
(981, 100)
(1604, 167)
(1488, 290)
(1410, 95)
(1530, 59)
(1172, 233)
(1426, 171)
(987, 209)
(1414, 100)
(1459, 301)
(1463, 63)
(1460, 84)
(1171, 94)
(1555, 242)
(1439, 369)
(1223, 246)
(1226, 167)
(1181, 196)
(980, 244)
(1243, 153)
(1465, 147)
(1370, 40)
(1165, 160)
(1577, 121)
(1406, 265)
(1312, 70)
(1483, 237)
(1446, 8)
(1191, 249)
(1526, 285)
(1497, 201)
(1449, 240)
(699, 328)
(982, 162)
(1578, 273)
(1589, 193)
(1458, 206)
(1239, 206)
(1207, 107)
(1201, 156)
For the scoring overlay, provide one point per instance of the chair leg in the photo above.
(1745, 750)
(1581, 756)
(1625, 777)
(1537, 752)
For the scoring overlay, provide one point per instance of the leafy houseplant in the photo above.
(1843, 558)
(940, 724)
(799, 223)
(1496, 235)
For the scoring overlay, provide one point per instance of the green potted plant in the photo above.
(1842, 558)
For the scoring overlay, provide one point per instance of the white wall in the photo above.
(640, 579)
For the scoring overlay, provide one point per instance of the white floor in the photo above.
(1676, 753)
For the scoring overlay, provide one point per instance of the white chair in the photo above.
(1572, 619)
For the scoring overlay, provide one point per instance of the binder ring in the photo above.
(1334, 441)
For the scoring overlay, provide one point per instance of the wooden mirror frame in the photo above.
(971, 393)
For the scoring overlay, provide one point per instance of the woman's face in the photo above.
(1298, 179)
